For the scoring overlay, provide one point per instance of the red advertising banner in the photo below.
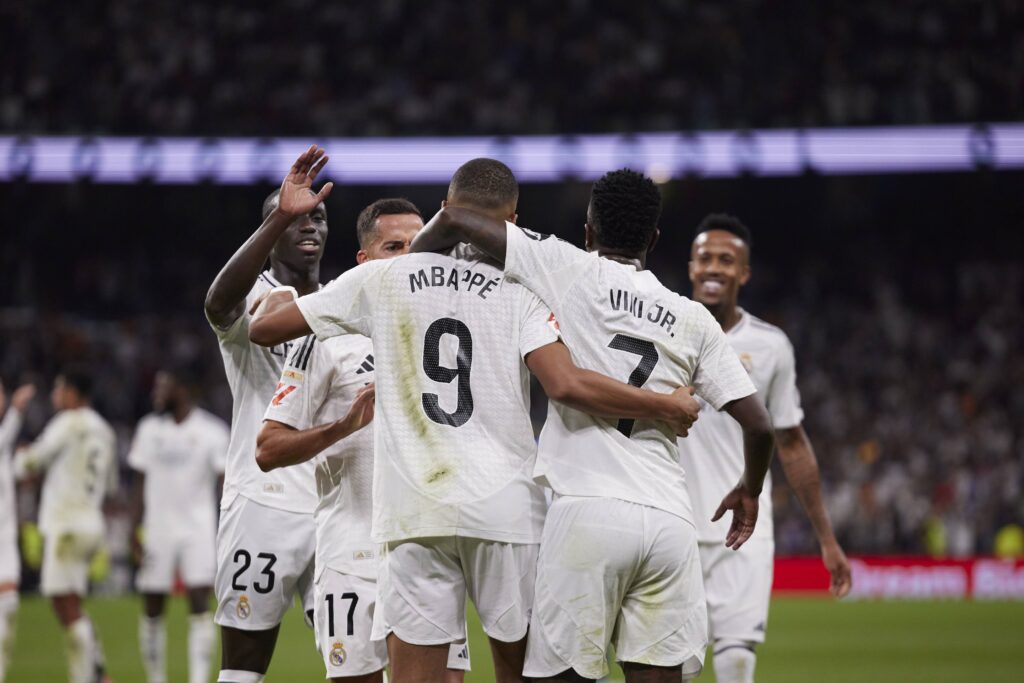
(903, 578)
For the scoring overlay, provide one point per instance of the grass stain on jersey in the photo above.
(438, 471)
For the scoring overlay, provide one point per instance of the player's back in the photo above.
(454, 444)
(81, 472)
(624, 323)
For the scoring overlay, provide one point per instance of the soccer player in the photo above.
(619, 559)
(10, 570)
(266, 538)
(178, 454)
(738, 584)
(453, 498)
(323, 396)
(76, 454)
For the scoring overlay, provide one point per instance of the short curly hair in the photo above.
(726, 222)
(366, 224)
(624, 210)
(484, 183)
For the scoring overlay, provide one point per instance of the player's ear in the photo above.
(589, 235)
(654, 240)
(362, 256)
(514, 219)
(745, 275)
(444, 203)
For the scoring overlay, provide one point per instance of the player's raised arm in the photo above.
(452, 225)
(758, 441)
(801, 469)
(225, 300)
(594, 393)
(280, 445)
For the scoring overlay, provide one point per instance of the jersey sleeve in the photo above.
(44, 450)
(547, 265)
(142, 446)
(783, 397)
(345, 305)
(303, 387)
(537, 326)
(719, 377)
(238, 330)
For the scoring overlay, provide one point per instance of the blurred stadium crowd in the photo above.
(399, 67)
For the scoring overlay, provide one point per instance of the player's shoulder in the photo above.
(149, 421)
(766, 332)
(98, 422)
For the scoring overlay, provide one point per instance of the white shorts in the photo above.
(424, 582)
(344, 610)
(193, 557)
(66, 558)
(264, 558)
(738, 584)
(10, 566)
(616, 572)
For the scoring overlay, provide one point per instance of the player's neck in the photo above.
(727, 314)
(638, 262)
(181, 412)
(305, 281)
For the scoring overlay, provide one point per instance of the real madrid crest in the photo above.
(338, 654)
(243, 609)
(747, 361)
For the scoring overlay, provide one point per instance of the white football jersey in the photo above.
(77, 452)
(625, 324)
(316, 388)
(252, 372)
(453, 444)
(9, 428)
(181, 463)
(712, 454)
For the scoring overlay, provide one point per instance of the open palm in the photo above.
(297, 195)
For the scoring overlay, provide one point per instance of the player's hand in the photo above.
(136, 547)
(360, 413)
(838, 568)
(297, 195)
(21, 397)
(686, 410)
(744, 505)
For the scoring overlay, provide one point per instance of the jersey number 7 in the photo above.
(648, 359)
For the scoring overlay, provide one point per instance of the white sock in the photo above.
(85, 658)
(8, 610)
(153, 645)
(201, 636)
(734, 662)
(239, 676)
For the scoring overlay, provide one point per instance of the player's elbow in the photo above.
(563, 387)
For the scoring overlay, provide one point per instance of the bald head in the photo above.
(486, 185)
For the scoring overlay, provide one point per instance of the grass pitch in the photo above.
(809, 640)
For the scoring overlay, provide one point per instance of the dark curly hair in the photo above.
(79, 377)
(728, 223)
(624, 210)
(366, 224)
(484, 183)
